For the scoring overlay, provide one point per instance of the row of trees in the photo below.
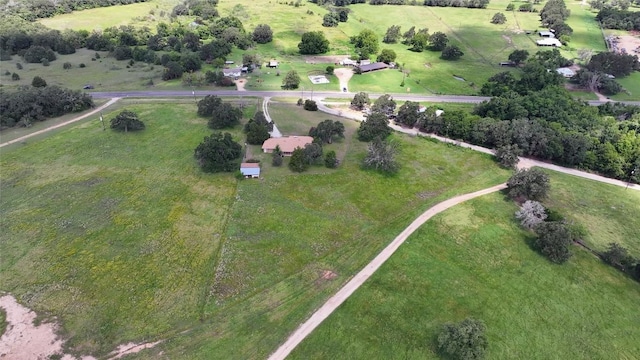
(421, 40)
(553, 15)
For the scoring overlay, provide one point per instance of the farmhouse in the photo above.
(549, 42)
(287, 144)
(232, 73)
(547, 34)
(566, 72)
(250, 170)
(373, 67)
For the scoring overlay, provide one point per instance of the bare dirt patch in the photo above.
(427, 65)
(507, 39)
(24, 340)
(630, 44)
(240, 84)
(325, 59)
(344, 75)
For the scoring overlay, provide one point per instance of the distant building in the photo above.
(373, 67)
(287, 144)
(232, 73)
(272, 64)
(546, 34)
(566, 72)
(507, 63)
(549, 42)
(348, 62)
(365, 62)
(250, 170)
(229, 62)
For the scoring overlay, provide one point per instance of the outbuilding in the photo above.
(546, 34)
(373, 67)
(566, 72)
(286, 143)
(549, 42)
(250, 170)
(232, 73)
(273, 64)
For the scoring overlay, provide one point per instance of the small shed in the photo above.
(250, 170)
(549, 42)
(365, 62)
(229, 62)
(546, 34)
(273, 64)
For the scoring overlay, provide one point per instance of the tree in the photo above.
(510, 7)
(419, 42)
(298, 161)
(330, 160)
(257, 129)
(532, 184)
(262, 34)
(329, 70)
(218, 153)
(531, 213)
(360, 100)
(173, 70)
(313, 153)
(554, 239)
(291, 80)
(614, 64)
(508, 155)
(381, 156)
(387, 56)
(127, 120)
(498, 18)
(408, 114)
(67, 66)
(451, 52)
(465, 340)
(208, 105)
(408, 35)
(438, 41)
(35, 54)
(366, 43)
(518, 56)
(313, 42)
(326, 131)
(310, 105)
(343, 14)
(15, 77)
(38, 82)
(375, 126)
(276, 156)
(225, 115)
(330, 20)
(392, 35)
(384, 104)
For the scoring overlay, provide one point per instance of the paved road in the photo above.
(336, 300)
(83, 116)
(319, 94)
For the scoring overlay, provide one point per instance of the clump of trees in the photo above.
(471, 4)
(612, 18)
(553, 15)
(498, 18)
(310, 105)
(302, 158)
(366, 43)
(375, 126)
(360, 100)
(221, 114)
(465, 340)
(313, 42)
(531, 184)
(618, 256)
(30, 104)
(262, 34)
(326, 131)
(257, 129)
(218, 153)
(126, 121)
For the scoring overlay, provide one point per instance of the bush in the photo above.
(15, 77)
(498, 18)
(531, 214)
(554, 239)
(44, 62)
(465, 340)
(330, 69)
(330, 160)
(127, 120)
(38, 82)
(310, 105)
(82, 65)
(35, 54)
(18, 66)
(67, 66)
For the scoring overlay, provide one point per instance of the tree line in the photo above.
(32, 10)
(612, 18)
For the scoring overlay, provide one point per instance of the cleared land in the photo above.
(474, 260)
(123, 239)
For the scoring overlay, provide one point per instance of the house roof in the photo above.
(546, 33)
(232, 72)
(549, 42)
(348, 62)
(374, 66)
(565, 71)
(250, 169)
(287, 143)
(250, 165)
(273, 63)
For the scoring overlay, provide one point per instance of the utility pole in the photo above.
(102, 121)
(193, 92)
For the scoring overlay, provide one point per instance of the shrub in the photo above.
(15, 77)
(310, 105)
(38, 82)
(531, 214)
(19, 66)
(330, 160)
(67, 66)
(127, 120)
(44, 62)
(554, 239)
(82, 65)
(465, 340)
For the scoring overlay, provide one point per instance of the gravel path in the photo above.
(275, 133)
(336, 300)
(92, 112)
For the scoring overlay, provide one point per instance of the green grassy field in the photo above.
(608, 213)
(123, 239)
(474, 260)
(3, 321)
(115, 234)
(138, 14)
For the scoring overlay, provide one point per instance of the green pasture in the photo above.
(138, 14)
(115, 234)
(631, 84)
(608, 213)
(3, 321)
(475, 261)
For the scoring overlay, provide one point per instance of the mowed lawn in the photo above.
(115, 234)
(475, 261)
(294, 239)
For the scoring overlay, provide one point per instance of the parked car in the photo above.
(344, 89)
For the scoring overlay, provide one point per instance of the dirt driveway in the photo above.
(343, 74)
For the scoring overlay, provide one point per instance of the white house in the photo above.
(549, 42)
(546, 34)
(566, 72)
(232, 73)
